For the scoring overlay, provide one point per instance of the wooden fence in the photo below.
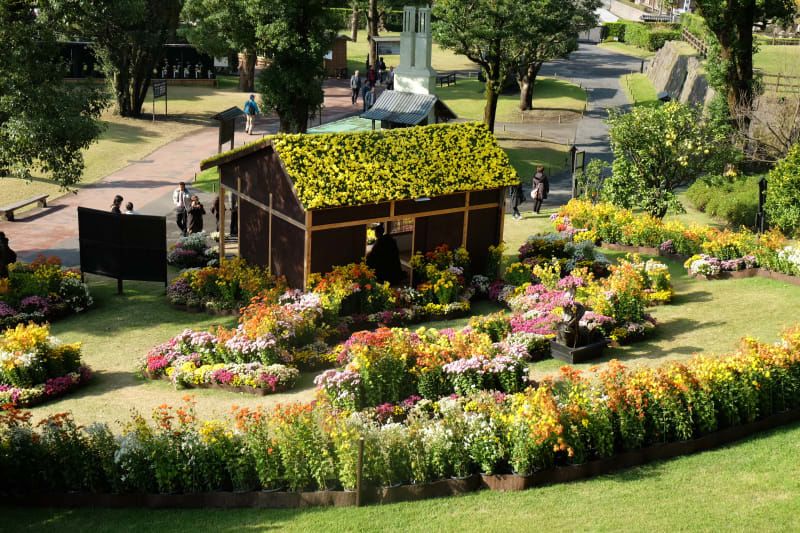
(781, 83)
(698, 44)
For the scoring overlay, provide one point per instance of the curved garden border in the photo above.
(737, 274)
(403, 493)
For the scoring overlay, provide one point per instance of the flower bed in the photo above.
(224, 288)
(41, 291)
(712, 251)
(193, 251)
(35, 367)
(591, 419)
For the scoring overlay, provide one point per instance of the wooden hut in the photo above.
(305, 201)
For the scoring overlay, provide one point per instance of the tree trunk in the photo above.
(526, 83)
(122, 94)
(354, 22)
(490, 111)
(742, 65)
(247, 72)
(373, 20)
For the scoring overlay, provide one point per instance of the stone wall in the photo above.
(679, 74)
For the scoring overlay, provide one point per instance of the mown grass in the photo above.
(749, 486)
(639, 89)
(777, 59)
(627, 49)
(467, 100)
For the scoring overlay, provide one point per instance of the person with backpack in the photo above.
(355, 86)
(250, 111)
(541, 188)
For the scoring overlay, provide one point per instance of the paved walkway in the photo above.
(147, 183)
(597, 70)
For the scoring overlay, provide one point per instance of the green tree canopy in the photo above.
(219, 27)
(128, 37)
(44, 123)
(658, 149)
(296, 35)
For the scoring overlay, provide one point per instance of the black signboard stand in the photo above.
(132, 247)
(227, 125)
(159, 90)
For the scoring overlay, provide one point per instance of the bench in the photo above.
(446, 79)
(341, 73)
(7, 211)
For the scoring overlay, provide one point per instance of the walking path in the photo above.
(598, 71)
(147, 183)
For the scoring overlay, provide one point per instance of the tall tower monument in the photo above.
(415, 74)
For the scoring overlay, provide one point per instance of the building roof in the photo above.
(405, 108)
(349, 169)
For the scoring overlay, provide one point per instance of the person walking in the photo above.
(369, 99)
(129, 209)
(215, 210)
(116, 205)
(517, 197)
(7, 256)
(541, 188)
(355, 86)
(182, 200)
(371, 77)
(390, 79)
(196, 212)
(250, 111)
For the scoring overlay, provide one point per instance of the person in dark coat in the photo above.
(116, 205)
(384, 258)
(196, 212)
(517, 197)
(541, 188)
(7, 255)
(215, 210)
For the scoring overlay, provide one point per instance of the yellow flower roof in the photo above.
(339, 169)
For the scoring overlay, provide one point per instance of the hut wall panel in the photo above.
(432, 231)
(405, 207)
(483, 231)
(253, 234)
(349, 214)
(261, 174)
(336, 247)
(287, 251)
(488, 196)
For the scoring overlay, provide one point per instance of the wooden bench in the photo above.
(446, 79)
(7, 211)
(341, 73)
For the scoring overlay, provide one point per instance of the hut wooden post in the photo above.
(307, 252)
(269, 238)
(466, 222)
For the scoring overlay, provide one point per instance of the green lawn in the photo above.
(749, 486)
(639, 89)
(441, 59)
(776, 59)
(627, 49)
(555, 96)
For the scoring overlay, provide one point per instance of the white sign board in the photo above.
(220, 61)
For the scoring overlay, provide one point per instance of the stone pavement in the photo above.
(147, 183)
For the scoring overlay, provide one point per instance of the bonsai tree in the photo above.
(658, 149)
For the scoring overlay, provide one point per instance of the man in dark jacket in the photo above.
(384, 258)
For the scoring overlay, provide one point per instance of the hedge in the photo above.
(646, 36)
(733, 200)
(783, 194)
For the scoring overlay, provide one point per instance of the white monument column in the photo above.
(415, 74)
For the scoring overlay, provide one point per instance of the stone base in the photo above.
(580, 354)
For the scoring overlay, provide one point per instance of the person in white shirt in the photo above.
(182, 199)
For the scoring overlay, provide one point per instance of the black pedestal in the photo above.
(580, 354)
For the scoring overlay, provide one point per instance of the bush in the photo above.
(646, 36)
(614, 31)
(783, 194)
(733, 200)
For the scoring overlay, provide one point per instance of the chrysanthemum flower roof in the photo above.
(346, 169)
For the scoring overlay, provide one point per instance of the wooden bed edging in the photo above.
(405, 493)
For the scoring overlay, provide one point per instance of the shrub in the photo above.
(783, 194)
(734, 200)
(614, 31)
